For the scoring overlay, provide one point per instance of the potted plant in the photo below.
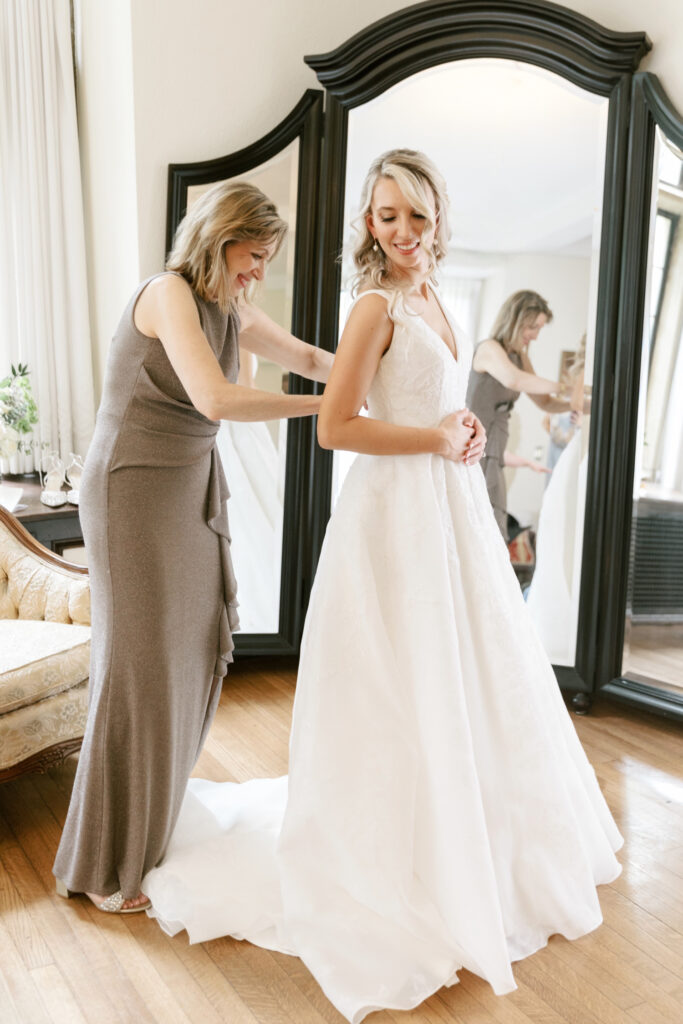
(18, 415)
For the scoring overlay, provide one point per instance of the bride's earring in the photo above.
(375, 246)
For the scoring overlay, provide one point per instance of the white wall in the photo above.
(107, 144)
(212, 76)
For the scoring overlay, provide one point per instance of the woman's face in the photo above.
(245, 262)
(399, 229)
(531, 330)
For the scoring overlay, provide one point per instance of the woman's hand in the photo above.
(521, 462)
(464, 437)
(477, 445)
(261, 335)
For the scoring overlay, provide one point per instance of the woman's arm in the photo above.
(366, 338)
(261, 335)
(166, 310)
(519, 461)
(491, 358)
(579, 401)
(545, 402)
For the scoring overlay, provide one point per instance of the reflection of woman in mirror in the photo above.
(501, 371)
(440, 812)
(156, 530)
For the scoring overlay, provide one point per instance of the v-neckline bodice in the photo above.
(454, 352)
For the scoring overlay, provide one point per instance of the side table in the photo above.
(58, 529)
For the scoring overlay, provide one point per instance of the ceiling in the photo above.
(522, 151)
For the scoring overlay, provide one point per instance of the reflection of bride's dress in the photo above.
(441, 812)
(252, 469)
(553, 597)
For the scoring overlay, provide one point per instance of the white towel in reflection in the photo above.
(254, 469)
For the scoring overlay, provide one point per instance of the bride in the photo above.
(440, 812)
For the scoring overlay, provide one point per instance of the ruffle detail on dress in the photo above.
(217, 520)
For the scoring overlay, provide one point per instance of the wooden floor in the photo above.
(65, 962)
(653, 652)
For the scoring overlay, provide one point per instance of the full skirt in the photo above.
(440, 812)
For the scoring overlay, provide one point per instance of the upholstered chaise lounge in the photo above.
(44, 653)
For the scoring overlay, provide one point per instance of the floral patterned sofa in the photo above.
(44, 653)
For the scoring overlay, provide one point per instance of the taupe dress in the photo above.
(492, 403)
(153, 511)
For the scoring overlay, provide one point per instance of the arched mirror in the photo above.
(529, 125)
(648, 600)
(265, 462)
(530, 221)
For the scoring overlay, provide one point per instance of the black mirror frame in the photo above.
(650, 108)
(305, 123)
(561, 41)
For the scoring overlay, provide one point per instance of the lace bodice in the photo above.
(418, 381)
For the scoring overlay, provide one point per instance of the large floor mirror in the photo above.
(526, 214)
(254, 454)
(263, 462)
(649, 652)
(529, 125)
(565, 171)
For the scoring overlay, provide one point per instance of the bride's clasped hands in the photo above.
(464, 437)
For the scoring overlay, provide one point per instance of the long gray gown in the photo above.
(492, 402)
(153, 511)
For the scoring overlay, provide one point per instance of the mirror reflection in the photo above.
(254, 454)
(523, 155)
(653, 650)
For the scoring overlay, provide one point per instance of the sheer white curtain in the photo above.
(462, 295)
(43, 292)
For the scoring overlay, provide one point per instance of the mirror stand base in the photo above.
(582, 703)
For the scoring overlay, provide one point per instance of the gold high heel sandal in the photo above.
(111, 905)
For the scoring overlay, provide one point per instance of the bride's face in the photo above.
(400, 229)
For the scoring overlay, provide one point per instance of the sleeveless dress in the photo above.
(492, 402)
(153, 511)
(440, 812)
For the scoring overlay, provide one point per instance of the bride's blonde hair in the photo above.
(418, 180)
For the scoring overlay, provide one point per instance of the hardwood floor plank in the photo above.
(25, 936)
(56, 932)
(518, 1007)
(24, 1000)
(126, 941)
(307, 984)
(198, 964)
(182, 985)
(252, 986)
(56, 995)
(124, 970)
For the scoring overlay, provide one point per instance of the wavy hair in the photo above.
(518, 310)
(418, 180)
(232, 211)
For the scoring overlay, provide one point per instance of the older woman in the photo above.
(153, 510)
(501, 371)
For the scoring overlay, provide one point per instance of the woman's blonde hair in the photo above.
(418, 179)
(577, 363)
(232, 211)
(519, 310)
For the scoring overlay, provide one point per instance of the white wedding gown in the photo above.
(255, 471)
(553, 597)
(440, 811)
